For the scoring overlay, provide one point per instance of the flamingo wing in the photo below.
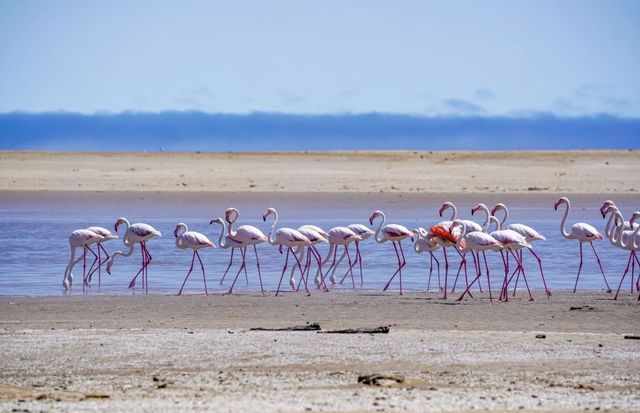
(526, 231)
(249, 234)
(143, 230)
(585, 231)
(197, 239)
(481, 239)
(395, 230)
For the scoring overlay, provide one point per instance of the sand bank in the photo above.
(395, 172)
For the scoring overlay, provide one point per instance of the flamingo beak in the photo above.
(212, 221)
(371, 220)
(493, 211)
(175, 232)
(264, 217)
(115, 227)
(440, 212)
(473, 210)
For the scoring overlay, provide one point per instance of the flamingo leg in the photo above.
(468, 289)
(480, 271)
(133, 280)
(546, 289)
(359, 259)
(242, 267)
(446, 271)
(350, 270)
(87, 278)
(204, 276)
(255, 251)
(519, 271)
(430, 271)
(600, 265)
(146, 268)
(335, 267)
(438, 265)
(524, 275)
(629, 261)
(193, 259)
(286, 261)
(404, 262)
(318, 258)
(579, 269)
(228, 266)
(506, 274)
(84, 266)
(488, 277)
(397, 271)
(300, 267)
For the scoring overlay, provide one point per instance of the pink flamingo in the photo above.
(364, 233)
(135, 234)
(425, 243)
(316, 235)
(225, 242)
(286, 237)
(194, 240)
(627, 240)
(476, 242)
(80, 238)
(583, 233)
(245, 235)
(529, 234)
(617, 239)
(394, 233)
(108, 235)
(337, 236)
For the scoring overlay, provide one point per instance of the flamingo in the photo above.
(512, 242)
(194, 240)
(529, 234)
(394, 233)
(447, 239)
(582, 232)
(286, 237)
(108, 235)
(628, 225)
(364, 233)
(225, 241)
(245, 235)
(424, 243)
(338, 236)
(80, 238)
(476, 242)
(627, 240)
(315, 235)
(135, 234)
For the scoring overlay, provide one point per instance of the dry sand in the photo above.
(570, 172)
(160, 353)
(157, 353)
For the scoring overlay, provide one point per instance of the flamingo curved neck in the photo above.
(454, 212)
(125, 240)
(608, 230)
(222, 241)
(378, 231)
(232, 221)
(462, 234)
(272, 239)
(484, 209)
(495, 221)
(505, 218)
(563, 231)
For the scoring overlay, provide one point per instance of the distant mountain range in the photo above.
(198, 131)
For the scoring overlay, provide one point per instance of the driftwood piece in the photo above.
(307, 327)
(375, 330)
(381, 380)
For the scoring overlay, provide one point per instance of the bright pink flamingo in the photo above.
(364, 233)
(80, 238)
(396, 234)
(286, 237)
(108, 235)
(583, 233)
(627, 240)
(194, 240)
(245, 235)
(476, 242)
(425, 243)
(136, 234)
(529, 234)
(337, 236)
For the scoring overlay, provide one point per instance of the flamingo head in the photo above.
(499, 206)
(179, 227)
(228, 213)
(374, 216)
(216, 221)
(475, 208)
(444, 207)
(634, 216)
(608, 210)
(119, 222)
(455, 224)
(562, 200)
(605, 206)
(268, 212)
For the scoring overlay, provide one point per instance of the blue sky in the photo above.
(448, 58)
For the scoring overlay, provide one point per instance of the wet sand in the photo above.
(197, 353)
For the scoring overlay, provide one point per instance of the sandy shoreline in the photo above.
(194, 352)
(396, 172)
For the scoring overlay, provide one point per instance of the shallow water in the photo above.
(35, 252)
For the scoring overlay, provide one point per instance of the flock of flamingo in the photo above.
(463, 236)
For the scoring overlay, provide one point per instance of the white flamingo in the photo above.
(627, 240)
(396, 234)
(80, 238)
(628, 225)
(108, 235)
(194, 240)
(425, 243)
(337, 236)
(135, 234)
(245, 235)
(582, 232)
(315, 235)
(285, 237)
(364, 232)
(476, 242)
(529, 234)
